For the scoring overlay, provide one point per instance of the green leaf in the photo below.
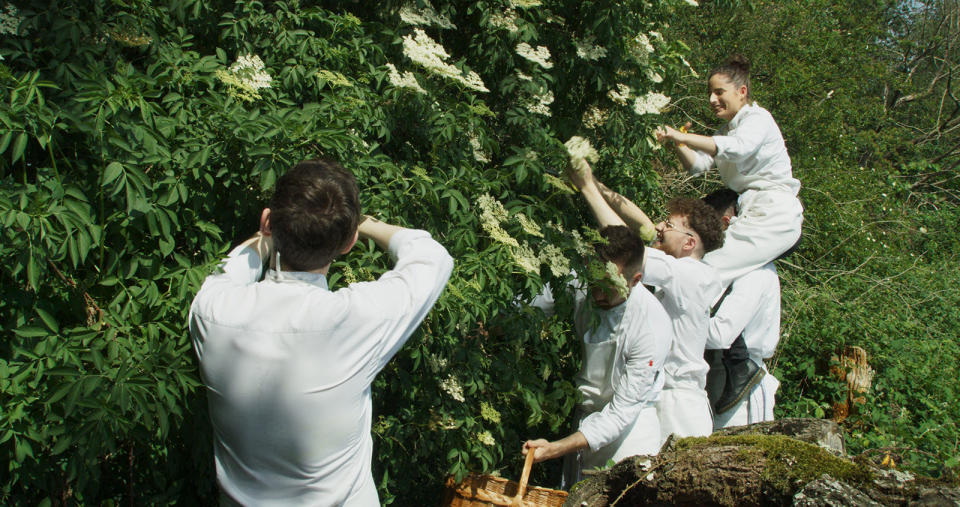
(48, 319)
(19, 145)
(112, 172)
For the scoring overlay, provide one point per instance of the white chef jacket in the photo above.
(751, 154)
(753, 309)
(686, 287)
(288, 366)
(644, 336)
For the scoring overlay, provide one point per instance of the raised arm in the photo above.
(635, 218)
(582, 177)
(379, 232)
(695, 151)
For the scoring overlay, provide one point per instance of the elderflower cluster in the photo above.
(640, 47)
(553, 257)
(425, 16)
(507, 20)
(540, 104)
(436, 363)
(334, 78)
(692, 2)
(492, 213)
(246, 77)
(594, 117)
(405, 80)
(587, 50)
(479, 154)
(619, 282)
(579, 244)
(485, 438)
(10, 20)
(525, 257)
(489, 413)
(539, 56)
(580, 151)
(425, 52)
(524, 77)
(452, 387)
(620, 94)
(558, 183)
(651, 103)
(525, 4)
(529, 226)
(654, 76)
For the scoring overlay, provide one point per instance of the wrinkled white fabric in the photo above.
(753, 309)
(288, 366)
(752, 160)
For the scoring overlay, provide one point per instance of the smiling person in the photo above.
(750, 154)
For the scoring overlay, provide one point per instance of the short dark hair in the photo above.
(622, 246)
(314, 213)
(721, 199)
(701, 218)
(737, 70)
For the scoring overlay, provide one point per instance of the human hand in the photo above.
(542, 449)
(579, 172)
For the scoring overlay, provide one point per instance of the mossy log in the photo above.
(749, 466)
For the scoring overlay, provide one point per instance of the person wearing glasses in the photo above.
(750, 154)
(685, 287)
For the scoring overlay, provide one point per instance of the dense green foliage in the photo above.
(131, 156)
(139, 140)
(878, 266)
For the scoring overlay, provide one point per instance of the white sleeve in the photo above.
(403, 296)
(701, 163)
(749, 136)
(736, 311)
(632, 391)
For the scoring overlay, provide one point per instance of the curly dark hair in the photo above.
(721, 199)
(701, 218)
(737, 70)
(623, 245)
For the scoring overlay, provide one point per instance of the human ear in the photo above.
(356, 235)
(265, 222)
(635, 279)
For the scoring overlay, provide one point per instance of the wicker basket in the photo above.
(486, 490)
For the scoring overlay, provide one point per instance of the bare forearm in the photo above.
(605, 215)
(550, 450)
(692, 142)
(379, 232)
(635, 218)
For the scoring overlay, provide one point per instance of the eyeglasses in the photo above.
(667, 226)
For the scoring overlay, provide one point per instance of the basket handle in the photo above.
(522, 488)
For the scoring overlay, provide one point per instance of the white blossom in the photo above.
(486, 438)
(489, 413)
(406, 80)
(553, 257)
(594, 117)
(617, 279)
(620, 95)
(246, 77)
(580, 151)
(479, 154)
(524, 256)
(507, 20)
(640, 47)
(452, 387)
(425, 16)
(540, 104)
(654, 76)
(651, 103)
(524, 77)
(692, 2)
(587, 50)
(424, 51)
(10, 20)
(528, 225)
(524, 4)
(492, 213)
(540, 56)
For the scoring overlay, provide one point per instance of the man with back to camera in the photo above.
(288, 363)
(746, 327)
(685, 286)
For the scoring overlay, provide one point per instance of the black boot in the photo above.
(742, 375)
(717, 376)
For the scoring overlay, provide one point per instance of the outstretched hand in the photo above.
(666, 133)
(541, 449)
(579, 172)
